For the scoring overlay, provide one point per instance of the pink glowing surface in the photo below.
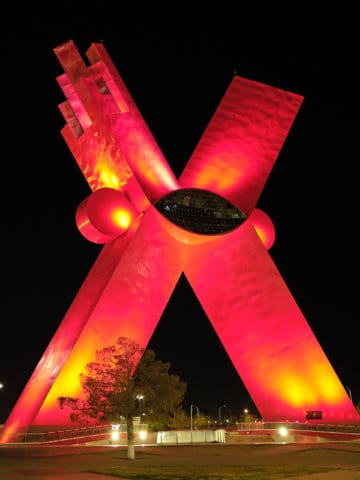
(255, 316)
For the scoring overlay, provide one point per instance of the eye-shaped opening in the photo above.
(200, 211)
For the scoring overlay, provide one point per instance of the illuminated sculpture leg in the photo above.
(124, 295)
(258, 322)
(264, 332)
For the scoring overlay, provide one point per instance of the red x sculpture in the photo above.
(155, 227)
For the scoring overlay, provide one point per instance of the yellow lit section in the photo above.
(261, 234)
(93, 338)
(295, 390)
(309, 387)
(209, 176)
(109, 179)
(67, 383)
(110, 174)
(122, 218)
(329, 384)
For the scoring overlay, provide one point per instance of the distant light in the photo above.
(115, 432)
(1, 386)
(142, 435)
(283, 431)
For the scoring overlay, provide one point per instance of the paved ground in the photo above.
(72, 462)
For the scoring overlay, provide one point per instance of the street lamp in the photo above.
(221, 406)
(348, 389)
(191, 419)
(139, 397)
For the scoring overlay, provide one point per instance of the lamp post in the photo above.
(139, 397)
(191, 419)
(349, 391)
(221, 406)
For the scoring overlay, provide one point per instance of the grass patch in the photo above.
(209, 472)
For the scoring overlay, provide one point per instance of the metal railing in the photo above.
(61, 435)
(80, 433)
(344, 429)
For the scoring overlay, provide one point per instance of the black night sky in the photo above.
(177, 65)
